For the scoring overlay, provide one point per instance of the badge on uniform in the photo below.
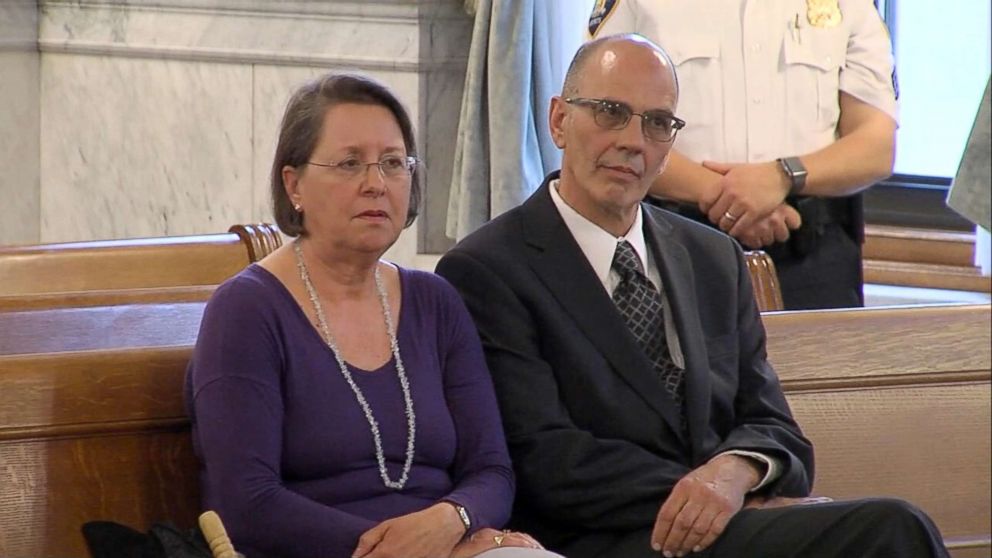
(823, 13)
(600, 12)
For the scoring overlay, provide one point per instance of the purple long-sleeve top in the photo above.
(286, 453)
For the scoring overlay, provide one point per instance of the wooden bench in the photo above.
(764, 281)
(897, 403)
(922, 258)
(92, 423)
(166, 269)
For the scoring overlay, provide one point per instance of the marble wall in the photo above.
(19, 121)
(159, 117)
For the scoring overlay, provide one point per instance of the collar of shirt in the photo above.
(598, 245)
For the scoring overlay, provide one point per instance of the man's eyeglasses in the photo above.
(391, 167)
(657, 125)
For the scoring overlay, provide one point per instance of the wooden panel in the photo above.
(928, 445)
(982, 551)
(76, 329)
(67, 393)
(80, 299)
(919, 246)
(764, 280)
(929, 276)
(897, 402)
(48, 489)
(831, 347)
(261, 239)
(146, 263)
(108, 265)
(922, 258)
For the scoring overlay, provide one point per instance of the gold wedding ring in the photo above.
(729, 216)
(498, 539)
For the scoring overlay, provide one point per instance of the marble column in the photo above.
(19, 122)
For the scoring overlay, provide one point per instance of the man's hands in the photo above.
(429, 533)
(702, 503)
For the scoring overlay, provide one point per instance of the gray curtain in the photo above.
(517, 61)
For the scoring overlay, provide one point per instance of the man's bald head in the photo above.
(588, 53)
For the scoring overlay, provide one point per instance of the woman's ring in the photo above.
(498, 539)
(729, 216)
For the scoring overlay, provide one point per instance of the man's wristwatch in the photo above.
(796, 173)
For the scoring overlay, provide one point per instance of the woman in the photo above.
(340, 404)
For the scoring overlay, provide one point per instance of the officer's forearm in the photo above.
(686, 181)
(863, 154)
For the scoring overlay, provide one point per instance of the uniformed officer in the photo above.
(791, 111)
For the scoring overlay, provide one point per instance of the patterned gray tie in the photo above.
(640, 304)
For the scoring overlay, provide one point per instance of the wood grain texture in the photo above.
(49, 488)
(897, 402)
(925, 246)
(764, 280)
(59, 394)
(929, 445)
(82, 299)
(930, 276)
(875, 343)
(261, 239)
(922, 258)
(146, 263)
(52, 330)
(124, 264)
(92, 423)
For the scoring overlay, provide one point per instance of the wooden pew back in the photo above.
(92, 423)
(764, 281)
(897, 403)
(120, 271)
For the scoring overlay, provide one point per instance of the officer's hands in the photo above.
(773, 228)
(749, 192)
(702, 503)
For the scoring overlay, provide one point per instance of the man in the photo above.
(629, 357)
(791, 107)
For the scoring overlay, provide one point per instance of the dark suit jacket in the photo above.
(592, 432)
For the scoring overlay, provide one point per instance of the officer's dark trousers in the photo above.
(872, 528)
(830, 276)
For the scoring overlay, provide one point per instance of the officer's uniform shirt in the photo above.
(759, 79)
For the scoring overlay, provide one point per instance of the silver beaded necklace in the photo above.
(411, 418)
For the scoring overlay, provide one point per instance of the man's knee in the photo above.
(881, 518)
(890, 510)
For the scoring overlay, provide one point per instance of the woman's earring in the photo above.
(298, 208)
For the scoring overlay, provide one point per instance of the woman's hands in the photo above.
(488, 539)
(429, 533)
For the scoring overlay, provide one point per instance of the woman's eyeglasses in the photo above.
(391, 167)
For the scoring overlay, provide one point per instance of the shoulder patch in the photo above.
(600, 12)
